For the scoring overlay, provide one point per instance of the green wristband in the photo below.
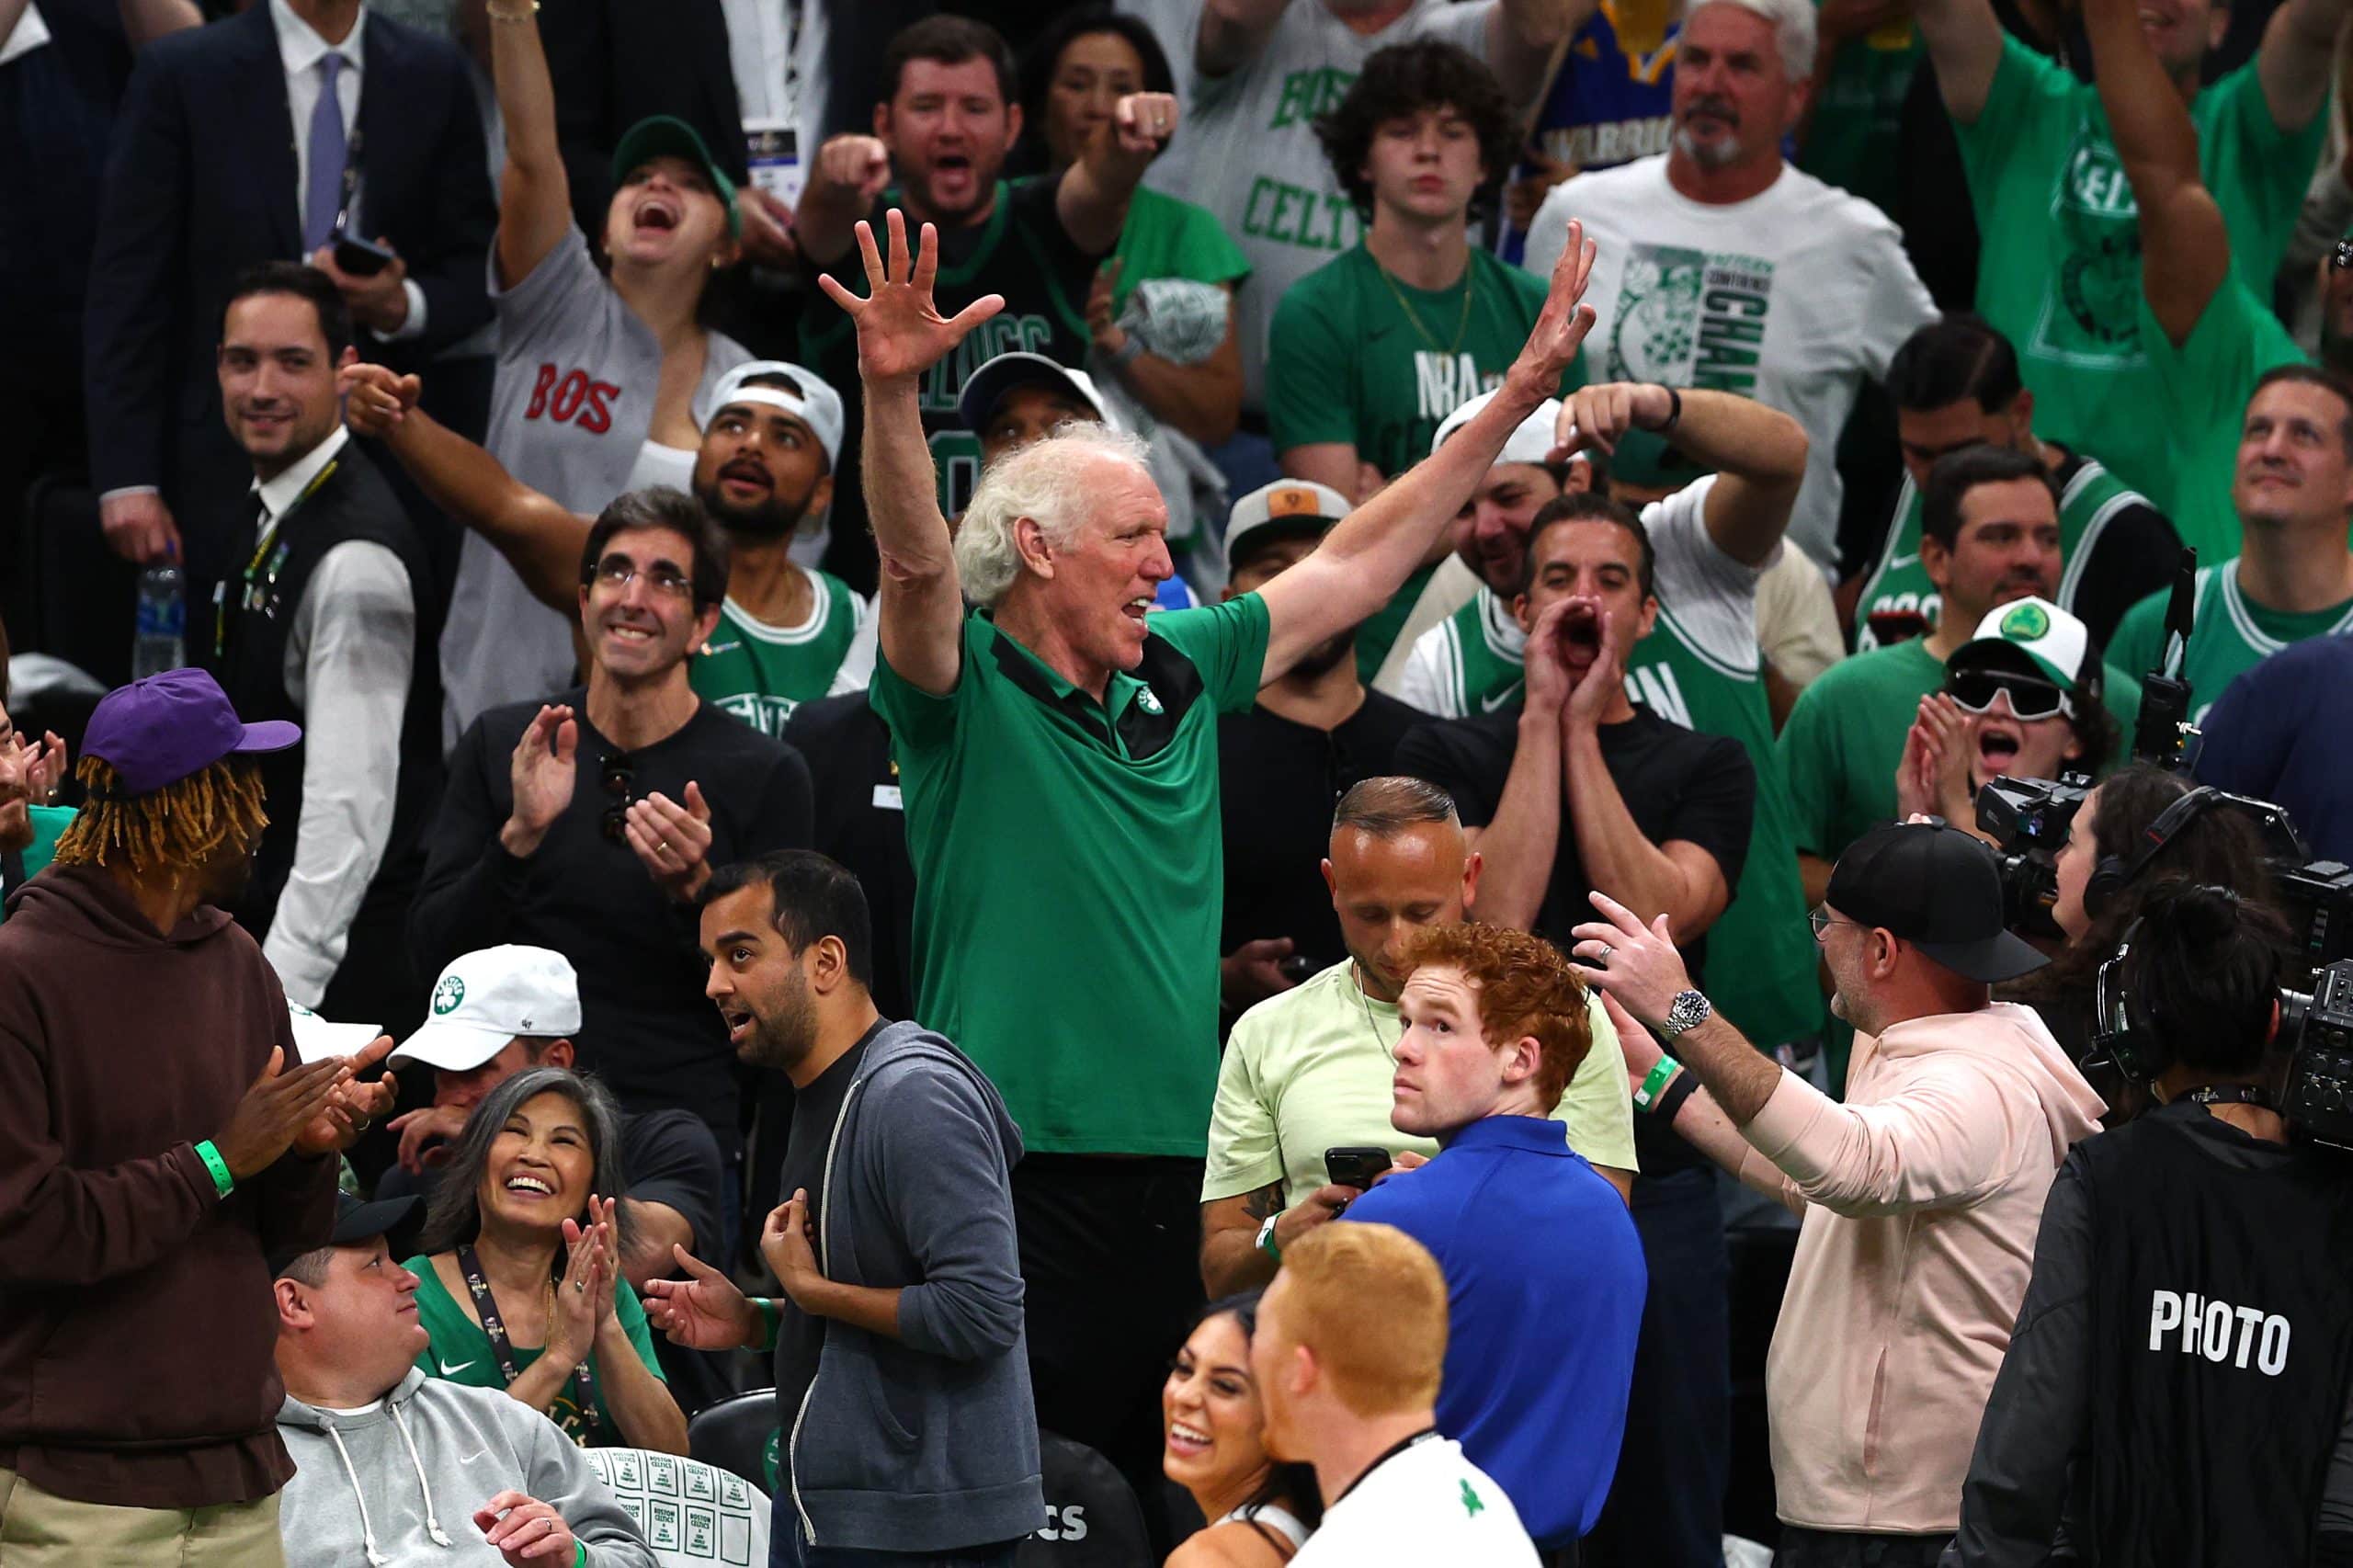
(579, 1552)
(1647, 1096)
(771, 1322)
(221, 1179)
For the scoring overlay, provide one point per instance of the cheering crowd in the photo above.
(1218, 782)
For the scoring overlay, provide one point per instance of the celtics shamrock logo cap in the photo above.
(486, 998)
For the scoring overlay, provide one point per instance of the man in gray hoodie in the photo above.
(901, 1372)
(380, 1449)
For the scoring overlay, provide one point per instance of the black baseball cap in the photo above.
(355, 1221)
(1938, 888)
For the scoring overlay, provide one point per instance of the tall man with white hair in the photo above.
(1725, 268)
(1059, 758)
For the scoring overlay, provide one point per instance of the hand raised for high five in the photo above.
(900, 332)
(1561, 326)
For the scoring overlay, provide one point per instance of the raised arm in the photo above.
(900, 336)
(2298, 53)
(2184, 249)
(1757, 452)
(1234, 32)
(541, 540)
(1366, 559)
(1964, 41)
(535, 194)
(1092, 201)
(850, 172)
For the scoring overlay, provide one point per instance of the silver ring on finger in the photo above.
(1603, 956)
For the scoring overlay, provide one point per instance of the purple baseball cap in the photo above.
(159, 731)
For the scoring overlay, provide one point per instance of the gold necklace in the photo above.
(1430, 341)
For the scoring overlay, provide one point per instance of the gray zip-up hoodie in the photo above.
(397, 1486)
(928, 1441)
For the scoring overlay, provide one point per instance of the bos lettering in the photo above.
(1063, 1524)
(1307, 93)
(2193, 1324)
(572, 398)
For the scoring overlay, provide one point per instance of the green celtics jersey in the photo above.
(2089, 499)
(761, 672)
(2062, 270)
(2228, 633)
(1701, 668)
(1020, 251)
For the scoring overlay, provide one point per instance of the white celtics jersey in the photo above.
(1425, 1504)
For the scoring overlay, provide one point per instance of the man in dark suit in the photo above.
(332, 624)
(244, 141)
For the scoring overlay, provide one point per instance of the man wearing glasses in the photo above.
(1920, 1196)
(588, 824)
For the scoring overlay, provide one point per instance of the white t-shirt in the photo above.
(1793, 296)
(1426, 1504)
(1247, 149)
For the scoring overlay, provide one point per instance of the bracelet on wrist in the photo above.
(771, 1321)
(1267, 1237)
(1674, 410)
(1647, 1096)
(1671, 1102)
(222, 1182)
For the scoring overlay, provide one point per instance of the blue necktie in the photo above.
(324, 195)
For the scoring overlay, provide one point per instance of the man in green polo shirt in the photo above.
(1057, 752)
(2064, 261)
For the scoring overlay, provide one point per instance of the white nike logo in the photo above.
(1897, 563)
(477, 1454)
(1490, 704)
(452, 1368)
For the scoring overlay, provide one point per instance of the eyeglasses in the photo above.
(618, 572)
(1974, 691)
(1820, 919)
(618, 776)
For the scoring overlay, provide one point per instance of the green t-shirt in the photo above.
(1358, 358)
(1845, 739)
(2201, 392)
(460, 1351)
(2228, 633)
(1168, 237)
(761, 672)
(1070, 849)
(2062, 270)
(1311, 1070)
(1855, 140)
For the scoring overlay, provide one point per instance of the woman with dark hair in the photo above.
(2175, 1388)
(1259, 1509)
(519, 1282)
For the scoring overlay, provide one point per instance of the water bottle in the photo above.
(161, 641)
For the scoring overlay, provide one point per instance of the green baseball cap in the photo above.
(668, 136)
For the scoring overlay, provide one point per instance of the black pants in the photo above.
(1111, 1262)
(1842, 1549)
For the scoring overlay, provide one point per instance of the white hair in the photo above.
(1045, 481)
(1794, 29)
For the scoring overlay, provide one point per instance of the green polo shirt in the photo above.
(1070, 874)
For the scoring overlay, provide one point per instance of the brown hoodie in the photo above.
(136, 1321)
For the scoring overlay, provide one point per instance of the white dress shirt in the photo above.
(300, 51)
(349, 657)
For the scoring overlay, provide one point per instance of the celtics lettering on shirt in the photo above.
(761, 672)
(1690, 318)
(2089, 498)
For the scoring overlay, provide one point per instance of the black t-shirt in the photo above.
(646, 1026)
(800, 1338)
(1277, 782)
(1676, 785)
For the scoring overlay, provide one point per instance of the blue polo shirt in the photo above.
(1544, 1282)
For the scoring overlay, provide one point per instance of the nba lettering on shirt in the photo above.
(570, 397)
(1444, 382)
(2192, 1325)
(1691, 318)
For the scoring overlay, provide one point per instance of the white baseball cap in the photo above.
(1532, 443)
(1287, 507)
(817, 404)
(486, 998)
(316, 1040)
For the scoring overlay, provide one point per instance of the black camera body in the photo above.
(2316, 1029)
(2031, 818)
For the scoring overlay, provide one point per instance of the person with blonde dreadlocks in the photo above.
(158, 1142)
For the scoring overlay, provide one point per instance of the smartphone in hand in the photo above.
(1355, 1166)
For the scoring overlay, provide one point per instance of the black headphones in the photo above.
(2133, 1051)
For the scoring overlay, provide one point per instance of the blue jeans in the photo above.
(786, 1549)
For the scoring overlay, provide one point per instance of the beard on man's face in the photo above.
(1320, 659)
(773, 518)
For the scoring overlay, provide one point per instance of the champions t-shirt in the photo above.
(2061, 273)
(1793, 296)
(761, 672)
(2229, 632)
(1248, 150)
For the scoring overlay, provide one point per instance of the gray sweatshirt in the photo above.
(398, 1485)
(928, 1441)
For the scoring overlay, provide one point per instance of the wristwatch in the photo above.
(1686, 1013)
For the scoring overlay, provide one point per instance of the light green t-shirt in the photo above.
(761, 672)
(458, 1350)
(1855, 138)
(2228, 633)
(2202, 388)
(1070, 874)
(2062, 270)
(1309, 1070)
(1168, 237)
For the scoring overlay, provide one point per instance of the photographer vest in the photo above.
(2221, 1340)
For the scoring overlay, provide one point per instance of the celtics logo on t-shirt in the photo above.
(2099, 279)
(1691, 318)
(447, 994)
